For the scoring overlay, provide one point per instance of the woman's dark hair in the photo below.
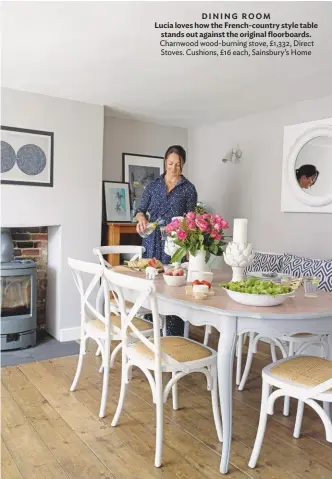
(307, 171)
(178, 150)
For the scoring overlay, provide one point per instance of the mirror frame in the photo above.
(305, 198)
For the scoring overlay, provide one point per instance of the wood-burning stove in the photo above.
(18, 300)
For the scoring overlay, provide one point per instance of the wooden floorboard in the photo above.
(49, 432)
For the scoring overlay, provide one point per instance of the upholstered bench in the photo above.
(294, 265)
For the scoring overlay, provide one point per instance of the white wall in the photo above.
(130, 136)
(252, 188)
(74, 203)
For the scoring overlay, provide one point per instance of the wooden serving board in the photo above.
(124, 269)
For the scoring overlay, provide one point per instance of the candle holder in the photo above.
(238, 256)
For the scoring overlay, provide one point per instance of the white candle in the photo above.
(240, 230)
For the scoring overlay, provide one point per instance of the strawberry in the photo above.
(152, 262)
(206, 283)
(169, 273)
(178, 272)
(196, 282)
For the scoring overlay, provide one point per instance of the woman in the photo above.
(169, 195)
(306, 176)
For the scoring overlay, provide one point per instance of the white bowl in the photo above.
(175, 280)
(257, 299)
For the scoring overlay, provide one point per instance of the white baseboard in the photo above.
(70, 334)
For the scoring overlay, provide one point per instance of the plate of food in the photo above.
(256, 292)
(200, 289)
(142, 264)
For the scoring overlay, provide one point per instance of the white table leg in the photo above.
(226, 349)
(186, 329)
(329, 339)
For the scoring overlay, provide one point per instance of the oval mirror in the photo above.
(310, 167)
(313, 166)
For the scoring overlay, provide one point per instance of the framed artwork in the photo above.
(117, 202)
(26, 156)
(139, 171)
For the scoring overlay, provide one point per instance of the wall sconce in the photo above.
(233, 156)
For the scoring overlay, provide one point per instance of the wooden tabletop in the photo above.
(299, 307)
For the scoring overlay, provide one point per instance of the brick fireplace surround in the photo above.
(32, 243)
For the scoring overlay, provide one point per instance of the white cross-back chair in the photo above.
(101, 327)
(289, 345)
(100, 252)
(94, 324)
(137, 252)
(306, 378)
(176, 355)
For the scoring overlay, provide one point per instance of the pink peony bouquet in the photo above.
(197, 232)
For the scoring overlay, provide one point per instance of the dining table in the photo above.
(298, 314)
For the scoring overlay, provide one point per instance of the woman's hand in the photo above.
(142, 223)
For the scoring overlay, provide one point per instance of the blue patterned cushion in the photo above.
(299, 266)
(266, 262)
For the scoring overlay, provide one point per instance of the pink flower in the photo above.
(224, 224)
(191, 215)
(221, 224)
(203, 225)
(182, 235)
(191, 225)
(172, 226)
(175, 223)
(215, 235)
(206, 216)
(169, 228)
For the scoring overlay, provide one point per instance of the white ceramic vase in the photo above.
(196, 263)
(238, 256)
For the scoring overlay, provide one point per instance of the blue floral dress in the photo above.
(162, 205)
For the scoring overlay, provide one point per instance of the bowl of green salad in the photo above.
(255, 292)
